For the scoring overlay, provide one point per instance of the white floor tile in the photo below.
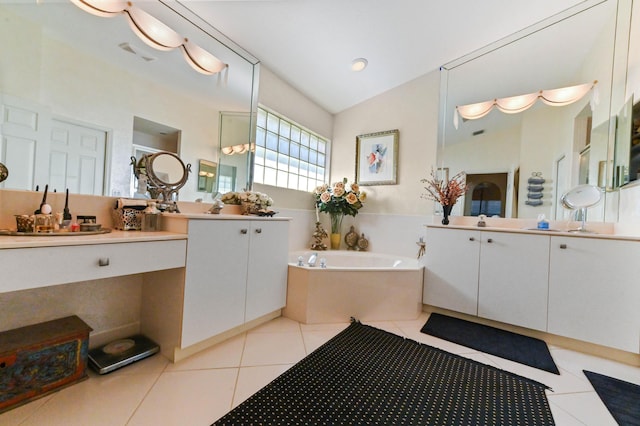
(102, 400)
(187, 398)
(224, 355)
(202, 388)
(252, 379)
(314, 339)
(19, 414)
(585, 406)
(273, 348)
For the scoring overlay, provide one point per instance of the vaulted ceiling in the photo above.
(311, 43)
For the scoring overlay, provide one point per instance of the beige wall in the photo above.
(412, 109)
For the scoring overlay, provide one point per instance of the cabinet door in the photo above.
(267, 276)
(451, 269)
(215, 278)
(514, 279)
(593, 291)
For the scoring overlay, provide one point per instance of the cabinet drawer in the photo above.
(26, 268)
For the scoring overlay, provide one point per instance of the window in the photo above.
(288, 155)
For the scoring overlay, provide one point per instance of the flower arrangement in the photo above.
(445, 193)
(339, 199)
(259, 200)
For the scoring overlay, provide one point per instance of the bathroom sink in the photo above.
(543, 230)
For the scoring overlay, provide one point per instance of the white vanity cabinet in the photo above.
(497, 275)
(594, 293)
(513, 278)
(451, 269)
(236, 271)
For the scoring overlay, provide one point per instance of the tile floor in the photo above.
(202, 388)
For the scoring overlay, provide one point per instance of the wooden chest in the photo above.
(41, 358)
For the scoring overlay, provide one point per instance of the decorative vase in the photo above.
(446, 212)
(336, 230)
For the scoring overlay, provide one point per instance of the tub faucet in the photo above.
(300, 261)
(323, 263)
(312, 259)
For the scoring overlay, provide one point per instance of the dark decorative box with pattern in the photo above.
(41, 358)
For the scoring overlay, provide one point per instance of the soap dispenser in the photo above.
(543, 224)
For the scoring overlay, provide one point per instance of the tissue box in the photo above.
(39, 359)
(127, 219)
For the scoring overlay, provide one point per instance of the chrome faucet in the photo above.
(312, 259)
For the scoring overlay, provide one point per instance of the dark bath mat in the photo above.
(504, 344)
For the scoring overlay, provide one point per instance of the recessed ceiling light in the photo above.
(359, 64)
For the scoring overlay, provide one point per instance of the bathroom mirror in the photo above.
(565, 145)
(76, 74)
(207, 176)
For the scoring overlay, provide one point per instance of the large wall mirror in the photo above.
(72, 84)
(544, 151)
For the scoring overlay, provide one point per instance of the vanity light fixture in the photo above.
(201, 60)
(155, 33)
(103, 8)
(515, 104)
(359, 64)
(150, 30)
(239, 149)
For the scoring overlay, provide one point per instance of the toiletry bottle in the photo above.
(542, 222)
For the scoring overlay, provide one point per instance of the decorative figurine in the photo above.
(351, 239)
(318, 235)
(363, 243)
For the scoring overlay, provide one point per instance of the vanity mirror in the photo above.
(84, 78)
(568, 144)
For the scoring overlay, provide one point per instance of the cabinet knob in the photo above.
(259, 231)
(490, 240)
(244, 231)
(471, 239)
(104, 261)
(563, 246)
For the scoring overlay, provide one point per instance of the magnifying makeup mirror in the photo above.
(580, 198)
(4, 172)
(165, 173)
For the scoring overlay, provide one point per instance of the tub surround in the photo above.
(362, 285)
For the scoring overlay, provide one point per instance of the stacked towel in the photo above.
(535, 189)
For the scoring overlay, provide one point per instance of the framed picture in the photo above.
(377, 158)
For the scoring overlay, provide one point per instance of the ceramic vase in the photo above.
(446, 212)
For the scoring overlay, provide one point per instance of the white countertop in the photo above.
(552, 232)
(10, 241)
(209, 216)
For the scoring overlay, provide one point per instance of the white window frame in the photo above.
(269, 162)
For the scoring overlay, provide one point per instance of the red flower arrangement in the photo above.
(445, 193)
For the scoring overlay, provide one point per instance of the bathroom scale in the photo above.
(121, 352)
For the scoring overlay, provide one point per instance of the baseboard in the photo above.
(182, 353)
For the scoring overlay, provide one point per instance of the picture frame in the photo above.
(377, 158)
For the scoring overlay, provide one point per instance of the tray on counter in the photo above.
(53, 234)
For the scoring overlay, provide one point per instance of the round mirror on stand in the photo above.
(4, 172)
(165, 174)
(580, 198)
